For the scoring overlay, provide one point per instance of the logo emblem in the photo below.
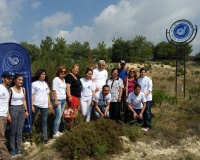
(181, 31)
(13, 60)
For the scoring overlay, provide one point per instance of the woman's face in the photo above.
(131, 73)
(42, 76)
(75, 70)
(143, 73)
(89, 75)
(62, 73)
(115, 73)
(19, 81)
(137, 91)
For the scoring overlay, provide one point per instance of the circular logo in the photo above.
(181, 30)
(13, 60)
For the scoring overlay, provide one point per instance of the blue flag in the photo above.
(14, 58)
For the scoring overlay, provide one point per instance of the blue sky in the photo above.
(94, 20)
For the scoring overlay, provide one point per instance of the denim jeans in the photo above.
(138, 112)
(58, 113)
(147, 114)
(44, 116)
(102, 108)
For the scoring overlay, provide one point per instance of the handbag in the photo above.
(70, 112)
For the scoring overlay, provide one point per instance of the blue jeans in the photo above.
(44, 116)
(102, 108)
(138, 111)
(147, 114)
(58, 113)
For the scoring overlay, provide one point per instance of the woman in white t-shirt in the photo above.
(59, 98)
(41, 99)
(136, 103)
(87, 93)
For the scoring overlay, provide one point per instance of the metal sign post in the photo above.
(181, 33)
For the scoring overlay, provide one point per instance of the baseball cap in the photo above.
(123, 62)
(6, 74)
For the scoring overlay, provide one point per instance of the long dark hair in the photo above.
(37, 75)
(16, 76)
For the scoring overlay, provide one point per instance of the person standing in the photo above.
(146, 87)
(41, 99)
(87, 93)
(129, 82)
(18, 112)
(100, 75)
(6, 78)
(59, 98)
(116, 87)
(122, 71)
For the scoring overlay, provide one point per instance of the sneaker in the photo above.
(19, 153)
(46, 140)
(145, 129)
(13, 153)
(60, 133)
(56, 135)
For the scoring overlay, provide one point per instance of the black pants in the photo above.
(115, 110)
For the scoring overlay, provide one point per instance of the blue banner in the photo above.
(14, 58)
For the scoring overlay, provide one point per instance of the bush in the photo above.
(171, 78)
(91, 139)
(166, 62)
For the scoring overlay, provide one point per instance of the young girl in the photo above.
(18, 112)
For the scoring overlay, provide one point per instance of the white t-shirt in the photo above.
(136, 101)
(40, 91)
(17, 98)
(146, 84)
(100, 77)
(4, 98)
(115, 88)
(60, 87)
(86, 89)
(102, 100)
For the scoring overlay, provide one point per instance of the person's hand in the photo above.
(56, 103)
(119, 99)
(135, 115)
(140, 116)
(26, 114)
(50, 106)
(102, 115)
(70, 99)
(33, 108)
(9, 118)
(92, 103)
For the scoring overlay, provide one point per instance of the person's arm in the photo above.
(149, 87)
(132, 110)
(25, 104)
(107, 109)
(55, 98)
(9, 117)
(33, 108)
(69, 92)
(120, 94)
(142, 111)
(97, 109)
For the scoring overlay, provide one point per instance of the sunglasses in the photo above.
(63, 72)
(132, 71)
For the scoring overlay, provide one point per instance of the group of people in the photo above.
(94, 93)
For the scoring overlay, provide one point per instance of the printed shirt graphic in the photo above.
(114, 88)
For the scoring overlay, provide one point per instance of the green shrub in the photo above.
(91, 139)
(166, 62)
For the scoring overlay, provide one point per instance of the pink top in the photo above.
(131, 84)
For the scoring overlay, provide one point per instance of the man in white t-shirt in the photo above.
(137, 103)
(100, 75)
(102, 102)
(6, 78)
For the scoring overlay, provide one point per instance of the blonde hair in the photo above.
(75, 65)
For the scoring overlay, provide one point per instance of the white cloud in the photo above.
(127, 19)
(36, 4)
(51, 25)
(9, 11)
